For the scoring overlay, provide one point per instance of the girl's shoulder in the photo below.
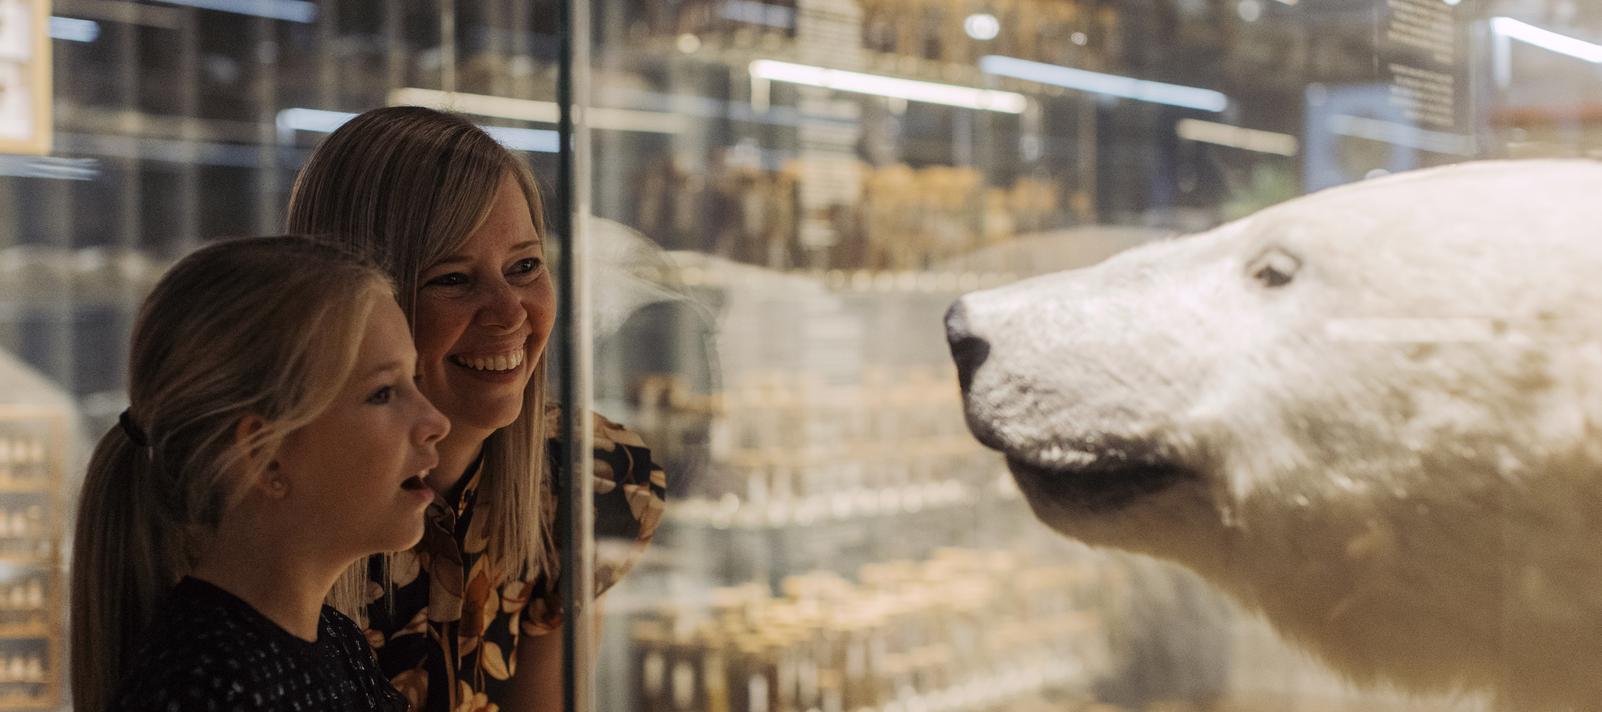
(339, 630)
(189, 666)
(186, 688)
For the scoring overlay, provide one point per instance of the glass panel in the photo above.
(172, 124)
(790, 194)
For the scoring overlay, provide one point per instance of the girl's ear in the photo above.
(269, 479)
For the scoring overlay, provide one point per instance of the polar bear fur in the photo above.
(1373, 414)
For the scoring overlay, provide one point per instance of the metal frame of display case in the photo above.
(575, 516)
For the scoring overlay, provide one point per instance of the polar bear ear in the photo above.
(1274, 267)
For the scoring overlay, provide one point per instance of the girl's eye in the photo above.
(528, 266)
(381, 396)
(448, 280)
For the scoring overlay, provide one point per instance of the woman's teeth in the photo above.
(498, 362)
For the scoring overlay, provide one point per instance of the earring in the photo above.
(277, 486)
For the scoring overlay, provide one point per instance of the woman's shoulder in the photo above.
(630, 487)
(606, 431)
(622, 462)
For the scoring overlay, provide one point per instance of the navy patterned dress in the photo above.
(209, 651)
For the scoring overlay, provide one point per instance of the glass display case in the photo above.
(31, 623)
(824, 178)
(784, 197)
(38, 434)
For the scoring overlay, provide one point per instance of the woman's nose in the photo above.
(502, 308)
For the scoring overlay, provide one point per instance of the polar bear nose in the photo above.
(967, 350)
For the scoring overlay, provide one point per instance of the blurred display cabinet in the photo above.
(33, 457)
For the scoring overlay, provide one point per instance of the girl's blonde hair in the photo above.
(266, 327)
(410, 185)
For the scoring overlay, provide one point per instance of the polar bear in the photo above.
(1373, 414)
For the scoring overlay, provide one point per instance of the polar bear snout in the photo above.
(968, 350)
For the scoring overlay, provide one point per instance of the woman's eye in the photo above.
(448, 280)
(528, 266)
(381, 396)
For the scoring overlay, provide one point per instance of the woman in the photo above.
(274, 437)
(469, 619)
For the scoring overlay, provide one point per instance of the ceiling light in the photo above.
(290, 10)
(1237, 137)
(539, 111)
(1547, 39)
(1249, 10)
(73, 29)
(1108, 84)
(982, 26)
(323, 121)
(912, 90)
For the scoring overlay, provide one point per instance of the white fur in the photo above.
(1398, 453)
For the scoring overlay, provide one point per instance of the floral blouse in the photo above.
(448, 639)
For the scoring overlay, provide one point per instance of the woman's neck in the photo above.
(285, 583)
(456, 453)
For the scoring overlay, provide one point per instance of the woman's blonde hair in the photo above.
(266, 327)
(410, 185)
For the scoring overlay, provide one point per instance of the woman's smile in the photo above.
(492, 359)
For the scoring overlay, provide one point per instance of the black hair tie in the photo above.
(133, 432)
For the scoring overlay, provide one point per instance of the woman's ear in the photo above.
(269, 478)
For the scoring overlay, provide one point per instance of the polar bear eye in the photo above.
(1274, 268)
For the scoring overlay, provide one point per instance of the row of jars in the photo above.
(964, 630)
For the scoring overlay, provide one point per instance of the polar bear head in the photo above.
(1373, 413)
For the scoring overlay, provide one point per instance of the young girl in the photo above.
(470, 617)
(274, 437)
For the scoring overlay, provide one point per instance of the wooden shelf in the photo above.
(28, 702)
(26, 630)
(1583, 114)
(31, 482)
(28, 560)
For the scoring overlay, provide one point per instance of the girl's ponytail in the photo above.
(122, 563)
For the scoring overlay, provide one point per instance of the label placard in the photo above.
(25, 89)
(1419, 49)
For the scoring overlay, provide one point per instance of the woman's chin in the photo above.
(490, 416)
